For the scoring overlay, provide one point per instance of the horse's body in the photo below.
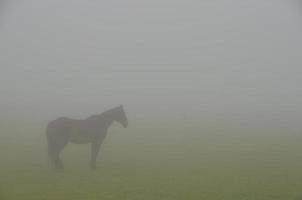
(91, 130)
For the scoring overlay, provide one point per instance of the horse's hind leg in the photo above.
(55, 146)
(54, 154)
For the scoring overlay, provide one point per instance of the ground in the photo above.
(156, 162)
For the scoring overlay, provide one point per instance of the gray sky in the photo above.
(226, 60)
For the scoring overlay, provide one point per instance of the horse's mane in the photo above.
(101, 115)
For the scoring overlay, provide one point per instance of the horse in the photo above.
(91, 130)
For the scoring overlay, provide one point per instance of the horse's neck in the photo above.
(105, 120)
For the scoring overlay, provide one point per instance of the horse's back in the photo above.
(58, 123)
(77, 131)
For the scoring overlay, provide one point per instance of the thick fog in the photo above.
(206, 61)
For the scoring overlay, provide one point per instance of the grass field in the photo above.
(163, 162)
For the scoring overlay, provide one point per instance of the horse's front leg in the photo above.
(95, 148)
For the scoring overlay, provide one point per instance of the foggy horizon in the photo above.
(202, 61)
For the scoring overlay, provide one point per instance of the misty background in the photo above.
(235, 62)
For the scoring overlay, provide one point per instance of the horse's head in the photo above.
(121, 116)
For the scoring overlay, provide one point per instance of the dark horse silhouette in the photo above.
(90, 130)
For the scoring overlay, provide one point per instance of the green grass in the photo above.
(156, 163)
